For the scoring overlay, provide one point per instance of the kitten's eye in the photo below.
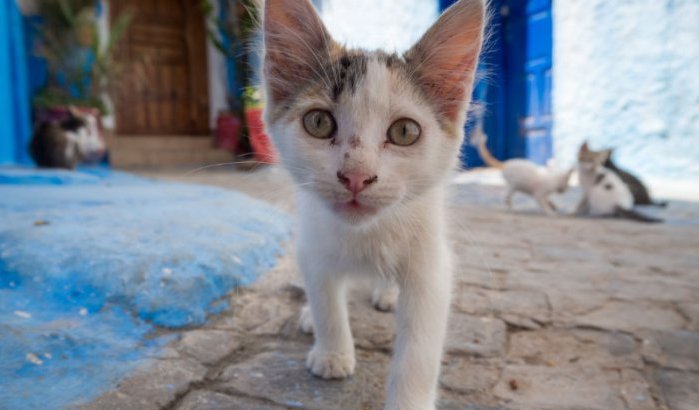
(404, 132)
(319, 124)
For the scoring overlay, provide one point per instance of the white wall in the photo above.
(627, 75)
(387, 24)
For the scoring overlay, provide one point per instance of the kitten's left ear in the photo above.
(444, 60)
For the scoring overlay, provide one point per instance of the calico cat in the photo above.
(604, 192)
(66, 143)
(641, 195)
(370, 140)
(526, 177)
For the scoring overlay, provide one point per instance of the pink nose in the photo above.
(356, 182)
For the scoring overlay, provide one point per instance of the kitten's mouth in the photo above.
(355, 208)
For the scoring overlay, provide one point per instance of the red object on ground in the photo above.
(261, 145)
(228, 128)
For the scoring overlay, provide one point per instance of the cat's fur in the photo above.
(604, 192)
(526, 177)
(641, 195)
(66, 143)
(366, 206)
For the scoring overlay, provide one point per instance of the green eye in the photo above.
(319, 124)
(404, 132)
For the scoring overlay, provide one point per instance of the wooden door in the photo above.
(163, 86)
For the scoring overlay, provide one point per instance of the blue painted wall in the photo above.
(15, 128)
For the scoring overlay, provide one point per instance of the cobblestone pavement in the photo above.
(548, 313)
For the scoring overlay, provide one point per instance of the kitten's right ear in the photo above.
(607, 154)
(296, 45)
(73, 111)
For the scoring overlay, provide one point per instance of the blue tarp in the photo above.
(92, 262)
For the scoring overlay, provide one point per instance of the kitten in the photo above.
(604, 192)
(526, 177)
(370, 140)
(66, 143)
(641, 195)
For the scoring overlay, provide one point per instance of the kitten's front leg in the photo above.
(332, 355)
(422, 311)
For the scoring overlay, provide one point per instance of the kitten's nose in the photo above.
(356, 182)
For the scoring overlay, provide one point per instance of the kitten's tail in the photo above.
(481, 139)
(634, 215)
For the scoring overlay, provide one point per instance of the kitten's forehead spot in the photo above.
(346, 73)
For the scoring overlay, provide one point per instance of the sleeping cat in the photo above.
(604, 192)
(66, 143)
(370, 140)
(526, 177)
(640, 193)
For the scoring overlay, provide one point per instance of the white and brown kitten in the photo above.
(66, 143)
(526, 177)
(370, 140)
(641, 194)
(604, 192)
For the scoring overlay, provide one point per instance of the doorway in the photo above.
(516, 84)
(163, 89)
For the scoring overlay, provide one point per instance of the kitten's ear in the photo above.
(607, 154)
(73, 111)
(296, 45)
(444, 60)
(584, 148)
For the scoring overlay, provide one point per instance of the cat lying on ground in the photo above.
(641, 195)
(370, 140)
(526, 177)
(66, 143)
(604, 192)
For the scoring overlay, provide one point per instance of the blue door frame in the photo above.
(516, 91)
(15, 129)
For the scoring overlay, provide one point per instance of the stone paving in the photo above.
(548, 313)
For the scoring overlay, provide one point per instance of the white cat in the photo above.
(526, 177)
(370, 140)
(604, 192)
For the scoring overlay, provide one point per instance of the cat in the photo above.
(525, 176)
(66, 143)
(370, 140)
(641, 195)
(604, 191)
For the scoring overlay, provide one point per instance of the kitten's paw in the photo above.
(385, 299)
(330, 365)
(306, 320)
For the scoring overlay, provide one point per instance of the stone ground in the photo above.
(548, 313)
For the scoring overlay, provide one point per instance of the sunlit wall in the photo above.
(626, 74)
(386, 24)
